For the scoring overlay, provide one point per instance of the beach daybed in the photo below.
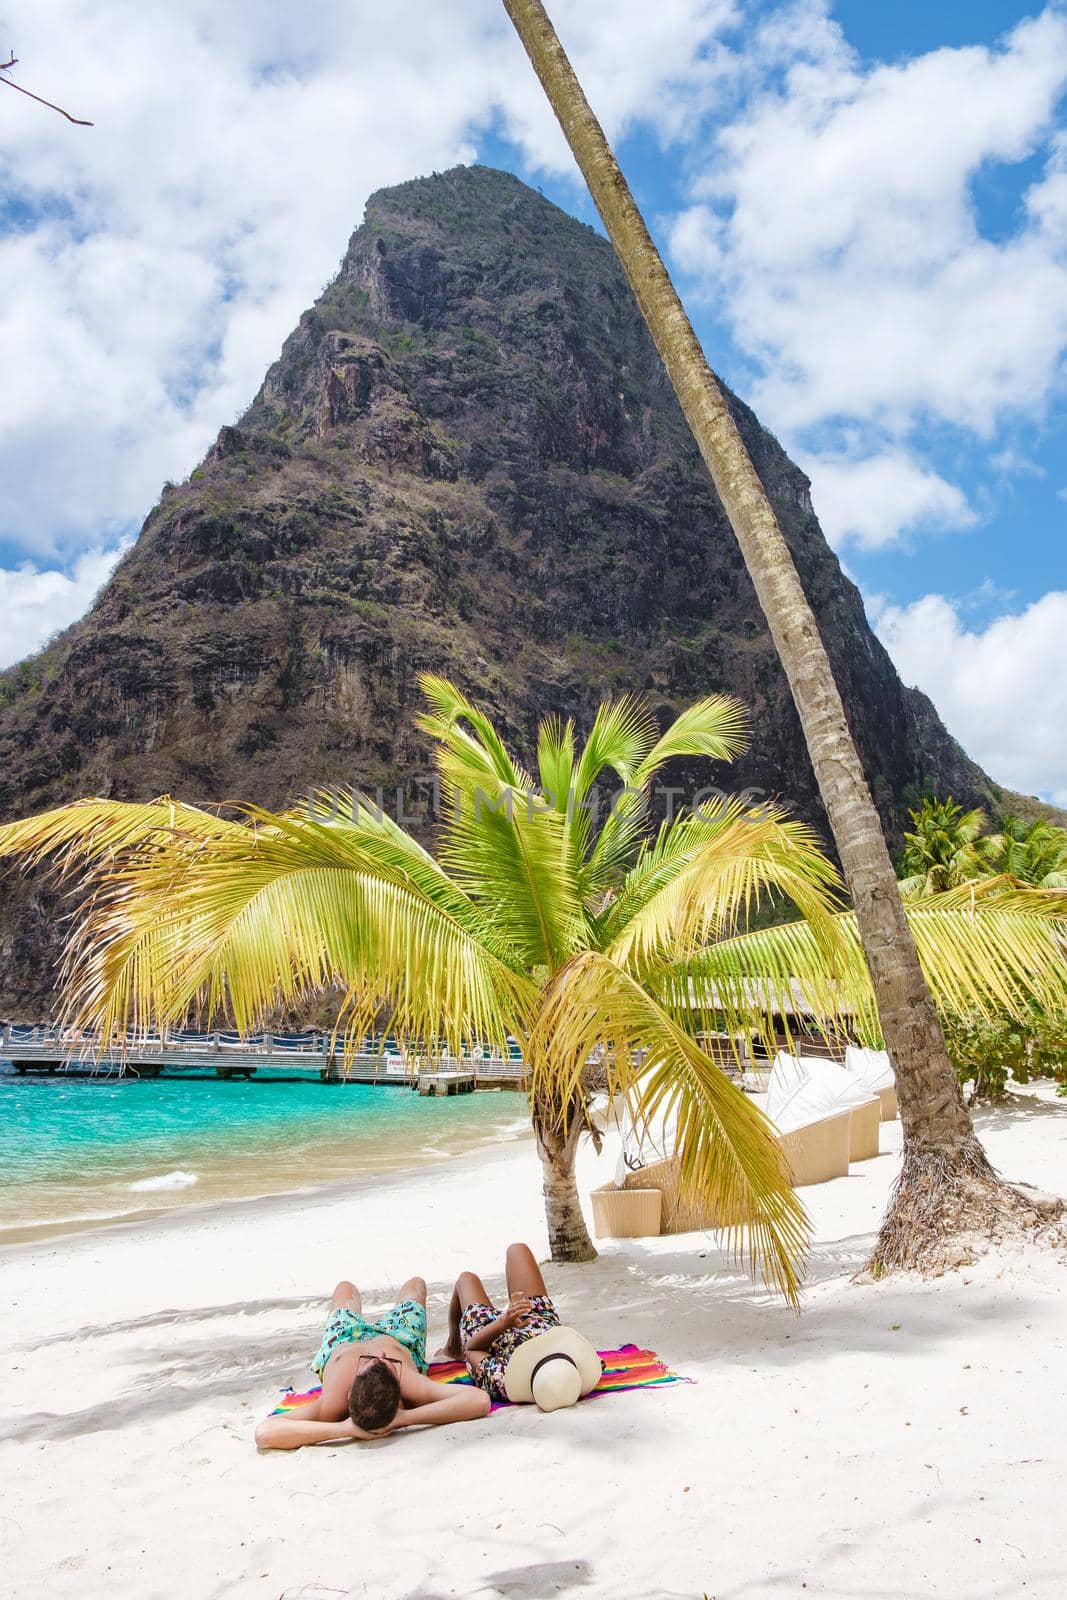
(875, 1070)
(816, 1149)
(814, 1152)
(803, 1088)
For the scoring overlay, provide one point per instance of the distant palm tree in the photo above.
(944, 849)
(613, 940)
(1034, 852)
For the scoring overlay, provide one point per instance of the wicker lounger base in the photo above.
(627, 1213)
(814, 1154)
(863, 1131)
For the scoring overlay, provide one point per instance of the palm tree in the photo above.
(577, 935)
(1033, 852)
(946, 1184)
(944, 849)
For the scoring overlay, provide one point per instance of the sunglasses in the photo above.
(394, 1362)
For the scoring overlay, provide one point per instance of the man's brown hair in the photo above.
(374, 1398)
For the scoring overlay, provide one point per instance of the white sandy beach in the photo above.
(900, 1439)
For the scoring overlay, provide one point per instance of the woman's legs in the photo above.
(523, 1277)
(523, 1273)
(469, 1291)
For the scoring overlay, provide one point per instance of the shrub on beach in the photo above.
(988, 1051)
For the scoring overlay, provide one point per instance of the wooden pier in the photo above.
(441, 1083)
(47, 1050)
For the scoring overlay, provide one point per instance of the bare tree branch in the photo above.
(11, 84)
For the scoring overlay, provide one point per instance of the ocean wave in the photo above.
(164, 1180)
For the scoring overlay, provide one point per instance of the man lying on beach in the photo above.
(373, 1377)
(522, 1352)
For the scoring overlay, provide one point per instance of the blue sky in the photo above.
(864, 206)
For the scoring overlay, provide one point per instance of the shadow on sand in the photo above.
(711, 1306)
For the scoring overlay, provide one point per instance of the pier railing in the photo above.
(45, 1047)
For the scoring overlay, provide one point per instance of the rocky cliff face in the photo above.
(467, 458)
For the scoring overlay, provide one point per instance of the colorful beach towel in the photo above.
(626, 1368)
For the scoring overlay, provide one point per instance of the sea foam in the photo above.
(165, 1180)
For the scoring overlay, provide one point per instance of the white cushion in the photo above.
(805, 1089)
(872, 1067)
(643, 1145)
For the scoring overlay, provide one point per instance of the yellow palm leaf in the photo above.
(989, 956)
(93, 830)
(729, 1156)
(706, 875)
(269, 918)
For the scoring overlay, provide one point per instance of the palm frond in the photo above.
(272, 917)
(476, 752)
(508, 851)
(1006, 893)
(705, 876)
(715, 726)
(94, 830)
(379, 843)
(729, 1157)
(555, 761)
(621, 736)
(503, 843)
(989, 957)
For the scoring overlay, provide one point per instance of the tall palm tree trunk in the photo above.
(946, 1184)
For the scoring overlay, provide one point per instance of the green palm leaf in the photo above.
(704, 876)
(715, 727)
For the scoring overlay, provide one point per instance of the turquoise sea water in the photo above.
(75, 1152)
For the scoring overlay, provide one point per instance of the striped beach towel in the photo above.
(628, 1367)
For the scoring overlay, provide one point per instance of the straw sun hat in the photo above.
(553, 1369)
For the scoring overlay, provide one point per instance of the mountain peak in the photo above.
(467, 458)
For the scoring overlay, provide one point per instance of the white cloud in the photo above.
(1002, 691)
(164, 253)
(834, 227)
(875, 500)
(662, 64)
(1012, 464)
(35, 604)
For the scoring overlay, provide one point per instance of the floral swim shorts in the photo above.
(490, 1375)
(406, 1323)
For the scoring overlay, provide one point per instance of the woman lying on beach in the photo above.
(522, 1352)
(373, 1377)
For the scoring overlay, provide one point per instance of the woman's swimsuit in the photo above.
(489, 1375)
